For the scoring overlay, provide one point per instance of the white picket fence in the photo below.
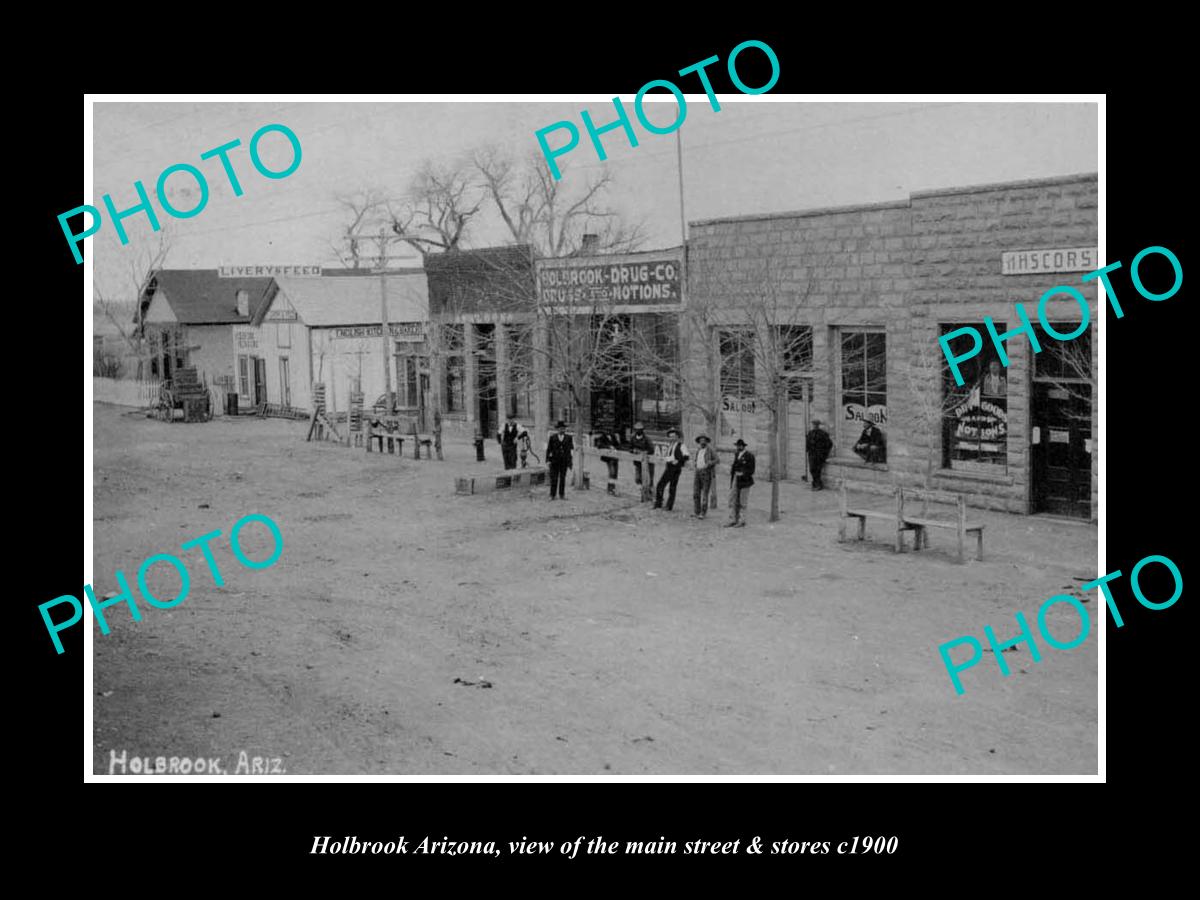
(143, 393)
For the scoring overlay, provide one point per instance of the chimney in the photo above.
(243, 303)
(591, 243)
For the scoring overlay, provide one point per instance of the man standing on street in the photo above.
(640, 442)
(741, 477)
(676, 457)
(559, 450)
(706, 464)
(819, 445)
(507, 436)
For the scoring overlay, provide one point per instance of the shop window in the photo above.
(795, 346)
(283, 334)
(455, 373)
(975, 413)
(520, 369)
(1065, 361)
(736, 350)
(244, 376)
(862, 395)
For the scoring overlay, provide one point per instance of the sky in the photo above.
(756, 155)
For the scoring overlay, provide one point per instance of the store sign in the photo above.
(656, 281)
(283, 315)
(269, 271)
(401, 330)
(739, 404)
(856, 412)
(246, 340)
(1033, 262)
(980, 420)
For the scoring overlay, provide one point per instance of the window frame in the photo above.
(847, 433)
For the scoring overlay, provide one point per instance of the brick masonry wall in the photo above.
(907, 267)
(958, 239)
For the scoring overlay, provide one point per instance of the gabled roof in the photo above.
(203, 297)
(324, 302)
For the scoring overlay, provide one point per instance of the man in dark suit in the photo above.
(741, 477)
(639, 442)
(676, 457)
(819, 445)
(507, 436)
(559, 450)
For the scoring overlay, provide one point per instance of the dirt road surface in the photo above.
(406, 630)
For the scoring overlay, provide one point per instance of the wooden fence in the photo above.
(143, 393)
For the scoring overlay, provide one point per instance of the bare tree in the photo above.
(124, 309)
(363, 208)
(550, 214)
(760, 305)
(936, 399)
(439, 205)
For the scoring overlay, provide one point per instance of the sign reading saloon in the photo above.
(1032, 262)
(654, 281)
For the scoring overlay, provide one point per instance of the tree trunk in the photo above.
(773, 458)
(578, 449)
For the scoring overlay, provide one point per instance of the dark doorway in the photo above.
(1060, 451)
(1061, 445)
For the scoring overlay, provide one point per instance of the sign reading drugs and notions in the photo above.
(654, 281)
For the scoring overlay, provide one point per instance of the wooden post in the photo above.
(962, 527)
(899, 519)
(844, 507)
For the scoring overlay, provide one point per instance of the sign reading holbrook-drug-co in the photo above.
(651, 281)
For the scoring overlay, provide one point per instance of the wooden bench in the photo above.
(628, 456)
(501, 481)
(920, 524)
(863, 513)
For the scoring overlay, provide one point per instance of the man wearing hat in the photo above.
(819, 444)
(676, 457)
(741, 477)
(559, 450)
(507, 436)
(706, 464)
(639, 442)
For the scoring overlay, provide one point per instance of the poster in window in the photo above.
(979, 429)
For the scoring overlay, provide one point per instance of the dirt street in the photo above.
(406, 630)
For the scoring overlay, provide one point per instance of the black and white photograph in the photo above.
(734, 435)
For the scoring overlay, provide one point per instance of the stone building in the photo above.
(836, 314)
(507, 324)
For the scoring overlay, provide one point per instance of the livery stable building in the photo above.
(188, 317)
(836, 313)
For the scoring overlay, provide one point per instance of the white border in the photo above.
(88, 192)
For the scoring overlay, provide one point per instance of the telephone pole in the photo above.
(383, 316)
(382, 240)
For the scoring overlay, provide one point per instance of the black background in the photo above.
(979, 831)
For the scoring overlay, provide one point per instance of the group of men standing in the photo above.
(560, 451)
